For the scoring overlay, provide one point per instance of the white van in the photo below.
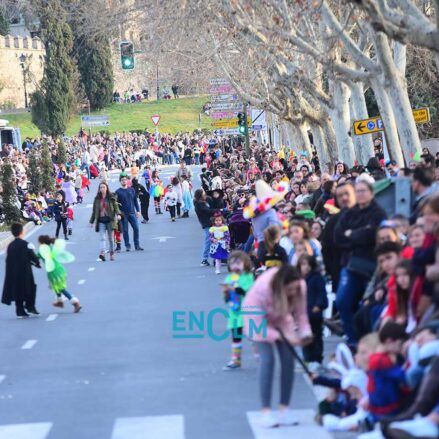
(9, 135)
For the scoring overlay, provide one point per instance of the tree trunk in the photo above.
(389, 122)
(321, 147)
(340, 116)
(305, 144)
(328, 130)
(363, 144)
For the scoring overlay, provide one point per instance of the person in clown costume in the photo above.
(260, 210)
(53, 253)
(236, 284)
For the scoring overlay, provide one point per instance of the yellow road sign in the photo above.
(228, 123)
(422, 115)
(374, 124)
(368, 126)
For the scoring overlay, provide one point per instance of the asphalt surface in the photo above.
(114, 371)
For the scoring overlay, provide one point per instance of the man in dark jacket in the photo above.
(355, 234)
(204, 213)
(19, 285)
(144, 196)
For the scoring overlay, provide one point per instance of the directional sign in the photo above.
(375, 124)
(228, 123)
(422, 115)
(221, 89)
(223, 98)
(222, 106)
(95, 121)
(155, 119)
(226, 114)
(219, 81)
(225, 131)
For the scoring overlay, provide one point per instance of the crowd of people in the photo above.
(300, 243)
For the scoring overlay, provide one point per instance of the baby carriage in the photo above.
(239, 229)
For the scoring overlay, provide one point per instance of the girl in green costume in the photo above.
(53, 253)
(237, 283)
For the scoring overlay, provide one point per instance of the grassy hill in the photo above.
(176, 115)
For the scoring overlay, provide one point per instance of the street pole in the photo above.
(158, 87)
(24, 84)
(247, 137)
(89, 127)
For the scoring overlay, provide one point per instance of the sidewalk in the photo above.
(6, 237)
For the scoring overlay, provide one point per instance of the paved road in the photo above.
(114, 371)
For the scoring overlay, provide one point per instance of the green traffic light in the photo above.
(127, 62)
(241, 129)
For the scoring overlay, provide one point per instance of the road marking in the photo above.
(51, 317)
(29, 344)
(92, 268)
(163, 238)
(2, 378)
(202, 276)
(25, 431)
(306, 428)
(169, 427)
(81, 282)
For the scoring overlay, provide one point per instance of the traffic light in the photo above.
(127, 55)
(242, 123)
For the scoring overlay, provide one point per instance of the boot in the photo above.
(160, 211)
(111, 256)
(66, 238)
(157, 210)
(58, 303)
(235, 361)
(76, 305)
(118, 248)
(102, 256)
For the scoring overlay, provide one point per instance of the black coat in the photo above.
(19, 280)
(330, 251)
(204, 212)
(142, 193)
(364, 224)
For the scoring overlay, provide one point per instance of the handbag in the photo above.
(361, 266)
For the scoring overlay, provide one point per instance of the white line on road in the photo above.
(25, 431)
(169, 427)
(91, 269)
(306, 427)
(51, 317)
(81, 282)
(29, 344)
(2, 378)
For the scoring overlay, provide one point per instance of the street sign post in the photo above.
(155, 119)
(223, 98)
(225, 131)
(95, 121)
(227, 106)
(375, 124)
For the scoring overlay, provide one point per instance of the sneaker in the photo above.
(144, 222)
(111, 256)
(217, 271)
(66, 238)
(76, 307)
(139, 249)
(205, 263)
(287, 417)
(173, 220)
(335, 326)
(413, 429)
(128, 249)
(268, 420)
(58, 304)
(22, 315)
(232, 365)
(33, 312)
(102, 257)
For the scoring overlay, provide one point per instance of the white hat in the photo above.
(265, 199)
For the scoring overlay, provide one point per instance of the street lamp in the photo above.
(23, 59)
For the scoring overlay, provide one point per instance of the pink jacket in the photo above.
(259, 298)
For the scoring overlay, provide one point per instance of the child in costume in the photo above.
(188, 204)
(236, 284)
(220, 241)
(156, 191)
(170, 201)
(118, 233)
(52, 251)
(70, 218)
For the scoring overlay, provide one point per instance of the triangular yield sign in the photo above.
(155, 119)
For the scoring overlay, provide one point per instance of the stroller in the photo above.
(239, 229)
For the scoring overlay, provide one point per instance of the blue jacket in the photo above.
(316, 295)
(127, 199)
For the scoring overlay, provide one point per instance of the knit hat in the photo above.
(265, 199)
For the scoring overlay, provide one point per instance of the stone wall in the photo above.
(11, 72)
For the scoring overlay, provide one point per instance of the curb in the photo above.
(28, 227)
